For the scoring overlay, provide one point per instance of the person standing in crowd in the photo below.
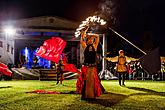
(130, 71)
(88, 83)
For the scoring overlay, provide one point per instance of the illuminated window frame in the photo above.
(8, 47)
(1, 44)
(12, 50)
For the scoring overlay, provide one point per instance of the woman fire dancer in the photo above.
(88, 83)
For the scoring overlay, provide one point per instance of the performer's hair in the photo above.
(89, 38)
(121, 51)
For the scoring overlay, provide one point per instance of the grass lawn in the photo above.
(137, 95)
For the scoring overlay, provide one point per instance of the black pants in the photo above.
(122, 77)
(59, 77)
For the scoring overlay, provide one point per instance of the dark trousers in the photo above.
(59, 77)
(122, 77)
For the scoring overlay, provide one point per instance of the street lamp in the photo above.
(9, 31)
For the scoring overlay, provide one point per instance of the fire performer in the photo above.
(121, 67)
(88, 83)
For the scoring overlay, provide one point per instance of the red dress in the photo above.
(88, 83)
(92, 85)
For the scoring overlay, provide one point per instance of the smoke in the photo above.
(108, 11)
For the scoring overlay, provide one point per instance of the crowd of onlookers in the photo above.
(135, 71)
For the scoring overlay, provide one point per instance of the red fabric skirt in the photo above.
(70, 67)
(89, 81)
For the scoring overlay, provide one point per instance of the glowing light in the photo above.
(91, 20)
(9, 30)
(102, 22)
(26, 52)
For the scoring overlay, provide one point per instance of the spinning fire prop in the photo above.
(90, 21)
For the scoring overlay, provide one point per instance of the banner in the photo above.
(151, 62)
(52, 49)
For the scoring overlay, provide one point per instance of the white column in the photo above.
(104, 48)
(81, 55)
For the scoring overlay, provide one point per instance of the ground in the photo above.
(136, 95)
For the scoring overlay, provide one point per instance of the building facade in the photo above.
(32, 32)
(6, 48)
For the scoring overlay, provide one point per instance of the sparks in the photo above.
(85, 24)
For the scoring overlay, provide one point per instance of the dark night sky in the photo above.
(71, 9)
(135, 16)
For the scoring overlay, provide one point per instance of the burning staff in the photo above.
(92, 20)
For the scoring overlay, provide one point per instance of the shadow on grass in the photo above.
(148, 91)
(6, 87)
(108, 99)
(69, 92)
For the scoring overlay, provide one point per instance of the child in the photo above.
(60, 68)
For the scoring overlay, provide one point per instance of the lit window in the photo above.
(12, 50)
(1, 44)
(8, 47)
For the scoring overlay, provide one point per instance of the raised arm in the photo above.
(96, 41)
(82, 41)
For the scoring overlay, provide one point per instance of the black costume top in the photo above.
(90, 55)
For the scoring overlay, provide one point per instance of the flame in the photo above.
(102, 22)
(86, 23)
